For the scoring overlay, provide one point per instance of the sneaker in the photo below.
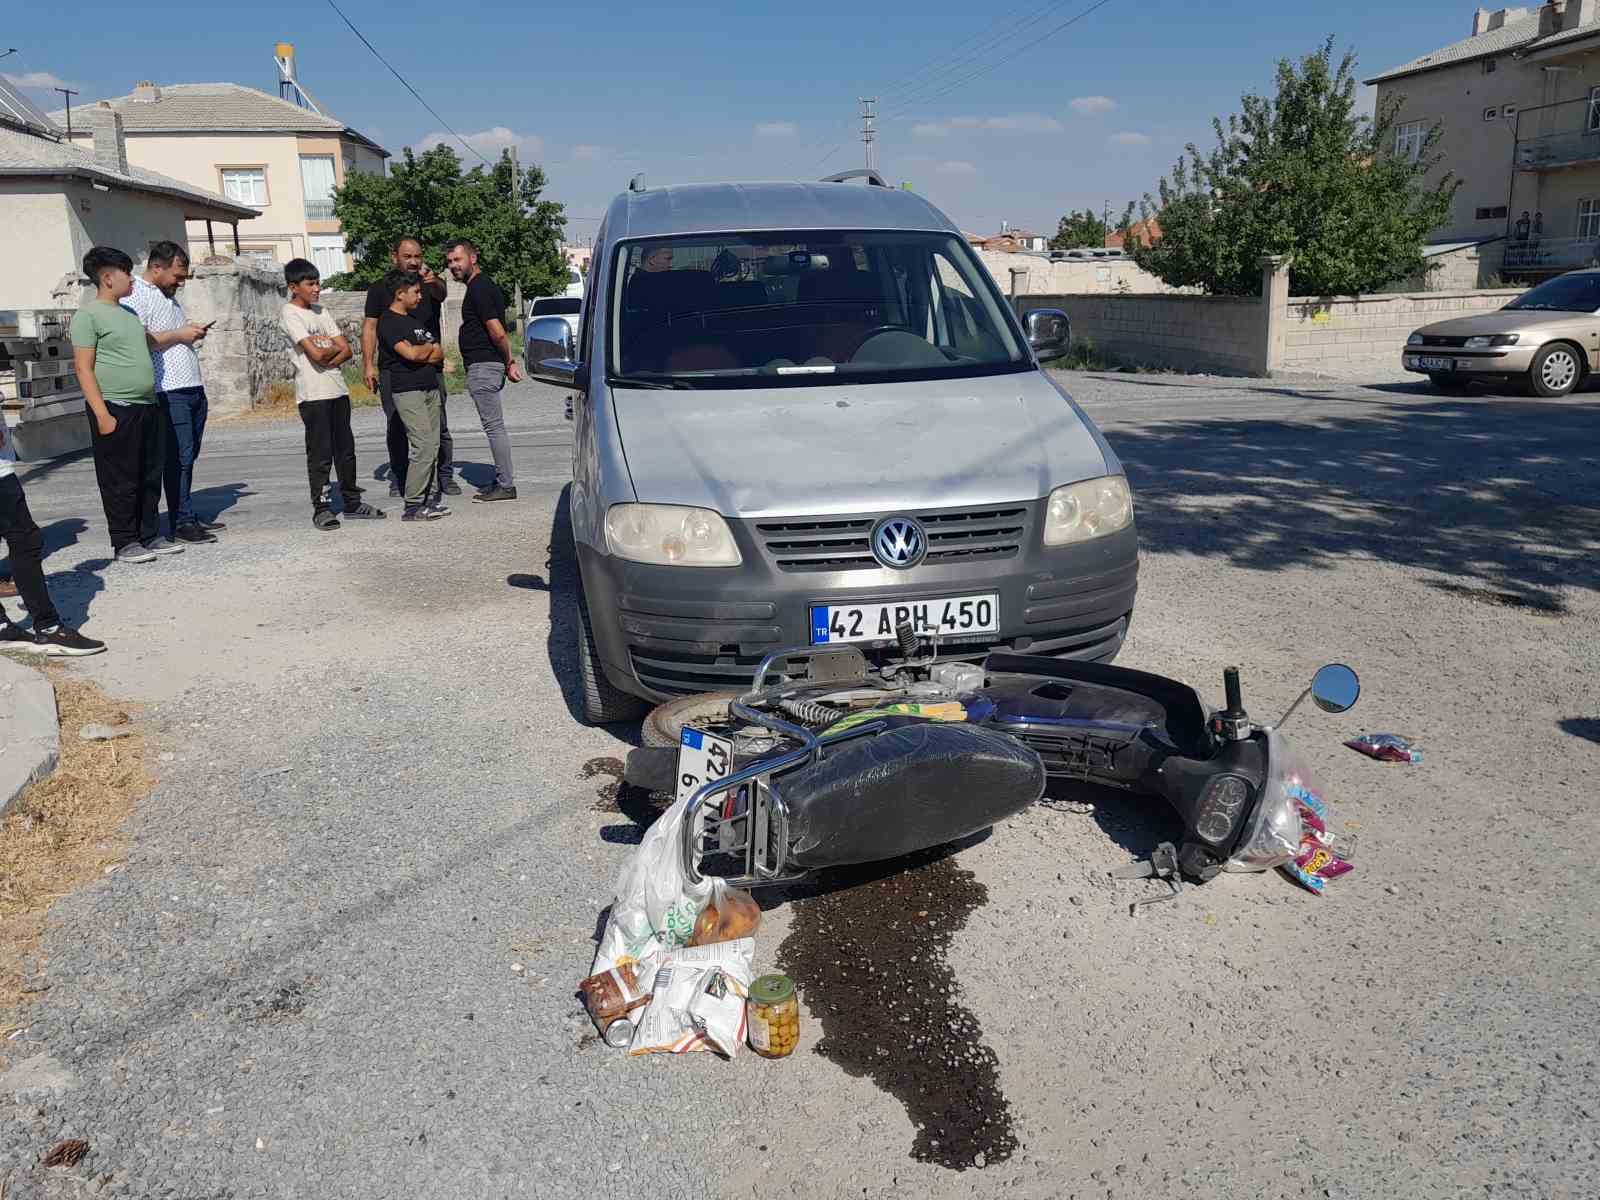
(495, 492)
(364, 512)
(133, 552)
(451, 488)
(438, 509)
(210, 526)
(324, 519)
(161, 545)
(66, 642)
(193, 534)
(420, 512)
(15, 637)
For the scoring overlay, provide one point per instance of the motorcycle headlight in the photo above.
(1091, 509)
(1414, 340)
(1497, 339)
(1273, 836)
(670, 535)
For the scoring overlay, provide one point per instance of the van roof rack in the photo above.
(872, 177)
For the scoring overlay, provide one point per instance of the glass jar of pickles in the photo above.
(774, 1013)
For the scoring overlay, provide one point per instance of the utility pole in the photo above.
(869, 115)
(67, 94)
(516, 201)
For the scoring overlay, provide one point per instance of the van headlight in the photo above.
(1091, 509)
(670, 535)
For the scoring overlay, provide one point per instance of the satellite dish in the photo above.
(17, 111)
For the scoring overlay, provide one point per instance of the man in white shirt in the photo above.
(179, 389)
(25, 542)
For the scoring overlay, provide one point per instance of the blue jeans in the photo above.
(185, 410)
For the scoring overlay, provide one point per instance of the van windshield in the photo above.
(769, 310)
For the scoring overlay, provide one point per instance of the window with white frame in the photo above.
(1408, 139)
(247, 185)
(1589, 218)
(317, 179)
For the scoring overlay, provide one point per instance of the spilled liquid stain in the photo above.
(607, 794)
(870, 963)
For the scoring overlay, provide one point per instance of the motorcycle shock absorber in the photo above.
(906, 634)
(808, 711)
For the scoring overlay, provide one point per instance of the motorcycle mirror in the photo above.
(1335, 688)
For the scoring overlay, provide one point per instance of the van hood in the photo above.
(789, 451)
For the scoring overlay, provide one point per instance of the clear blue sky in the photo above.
(695, 91)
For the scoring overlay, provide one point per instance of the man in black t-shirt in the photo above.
(407, 257)
(486, 351)
(411, 355)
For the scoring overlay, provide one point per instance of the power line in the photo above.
(1003, 59)
(406, 85)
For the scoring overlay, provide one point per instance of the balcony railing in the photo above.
(1552, 136)
(319, 210)
(1552, 254)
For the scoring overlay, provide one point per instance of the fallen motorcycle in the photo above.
(830, 762)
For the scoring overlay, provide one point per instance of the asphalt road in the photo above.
(378, 802)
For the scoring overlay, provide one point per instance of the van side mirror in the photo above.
(550, 351)
(1049, 332)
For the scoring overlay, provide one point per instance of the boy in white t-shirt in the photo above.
(319, 388)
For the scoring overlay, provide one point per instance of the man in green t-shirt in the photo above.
(111, 353)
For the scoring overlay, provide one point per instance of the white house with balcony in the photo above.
(278, 156)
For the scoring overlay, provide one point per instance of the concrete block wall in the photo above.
(1212, 334)
(1070, 276)
(1333, 330)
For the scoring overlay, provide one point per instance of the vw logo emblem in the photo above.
(899, 542)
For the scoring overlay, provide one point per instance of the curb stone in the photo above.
(30, 729)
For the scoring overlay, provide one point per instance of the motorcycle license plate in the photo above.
(953, 616)
(1437, 364)
(702, 758)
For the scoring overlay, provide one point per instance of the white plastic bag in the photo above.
(699, 1001)
(655, 906)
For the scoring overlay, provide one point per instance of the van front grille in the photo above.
(845, 543)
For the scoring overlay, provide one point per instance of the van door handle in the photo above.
(569, 408)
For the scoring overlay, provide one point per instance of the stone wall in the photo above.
(246, 351)
(1212, 334)
(1332, 330)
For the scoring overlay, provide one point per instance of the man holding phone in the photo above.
(179, 389)
(407, 256)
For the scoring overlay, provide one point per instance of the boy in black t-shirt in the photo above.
(407, 256)
(411, 354)
(486, 351)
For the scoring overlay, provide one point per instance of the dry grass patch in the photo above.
(65, 830)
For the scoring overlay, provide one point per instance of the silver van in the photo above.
(804, 414)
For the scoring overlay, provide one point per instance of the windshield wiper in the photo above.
(654, 385)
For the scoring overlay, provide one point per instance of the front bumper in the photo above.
(1508, 360)
(672, 631)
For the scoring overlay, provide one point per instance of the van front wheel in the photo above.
(604, 703)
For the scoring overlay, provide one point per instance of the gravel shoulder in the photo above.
(375, 801)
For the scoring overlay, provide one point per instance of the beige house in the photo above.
(1517, 104)
(58, 199)
(269, 154)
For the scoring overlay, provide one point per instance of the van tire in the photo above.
(604, 703)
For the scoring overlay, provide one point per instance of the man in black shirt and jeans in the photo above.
(486, 351)
(408, 258)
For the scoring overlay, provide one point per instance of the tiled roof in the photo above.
(210, 107)
(1515, 36)
(23, 154)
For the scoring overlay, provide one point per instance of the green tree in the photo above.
(428, 196)
(1301, 174)
(1078, 229)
